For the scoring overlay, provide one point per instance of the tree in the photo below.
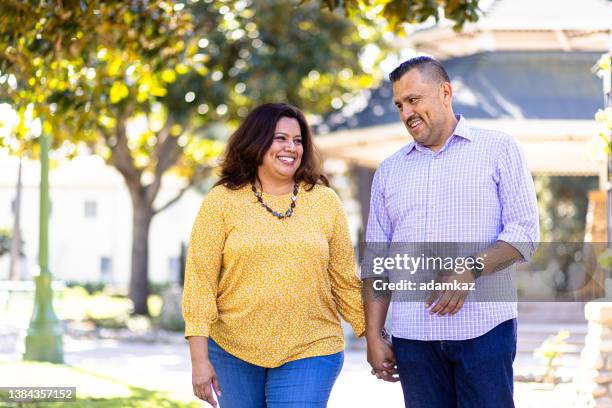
(145, 84)
(15, 130)
(603, 69)
(93, 70)
(16, 239)
(399, 12)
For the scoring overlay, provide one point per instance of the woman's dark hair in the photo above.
(248, 144)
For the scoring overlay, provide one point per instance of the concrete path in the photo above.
(167, 367)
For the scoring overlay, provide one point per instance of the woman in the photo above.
(270, 266)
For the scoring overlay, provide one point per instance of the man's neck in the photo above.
(449, 130)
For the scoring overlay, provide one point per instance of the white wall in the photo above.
(76, 242)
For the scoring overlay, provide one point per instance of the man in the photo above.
(460, 184)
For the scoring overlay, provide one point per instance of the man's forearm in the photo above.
(376, 305)
(498, 256)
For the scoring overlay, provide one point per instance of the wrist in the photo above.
(198, 361)
(377, 335)
(477, 267)
(373, 334)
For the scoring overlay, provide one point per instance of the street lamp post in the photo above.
(44, 337)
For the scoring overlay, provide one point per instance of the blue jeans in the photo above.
(458, 373)
(301, 383)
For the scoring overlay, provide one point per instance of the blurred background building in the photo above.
(521, 69)
(91, 222)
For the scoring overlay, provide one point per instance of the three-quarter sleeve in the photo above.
(379, 229)
(345, 286)
(203, 265)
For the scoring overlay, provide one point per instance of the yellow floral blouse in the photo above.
(269, 291)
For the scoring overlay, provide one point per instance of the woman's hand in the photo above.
(381, 358)
(204, 381)
(203, 375)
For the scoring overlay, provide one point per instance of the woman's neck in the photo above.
(273, 186)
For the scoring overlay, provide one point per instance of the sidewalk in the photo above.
(166, 367)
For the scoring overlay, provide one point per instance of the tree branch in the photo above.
(167, 153)
(198, 176)
(121, 157)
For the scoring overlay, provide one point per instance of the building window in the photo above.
(106, 269)
(174, 269)
(91, 209)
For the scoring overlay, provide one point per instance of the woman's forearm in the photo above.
(198, 348)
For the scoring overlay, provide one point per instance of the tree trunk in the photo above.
(139, 278)
(166, 155)
(16, 235)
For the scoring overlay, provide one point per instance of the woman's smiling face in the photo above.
(283, 157)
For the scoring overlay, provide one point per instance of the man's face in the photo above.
(424, 107)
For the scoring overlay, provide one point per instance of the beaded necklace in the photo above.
(279, 215)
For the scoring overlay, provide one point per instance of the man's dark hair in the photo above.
(427, 66)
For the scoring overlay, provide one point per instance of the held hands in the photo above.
(381, 358)
(204, 381)
(442, 302)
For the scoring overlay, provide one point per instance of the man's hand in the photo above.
(450, 301)
(381, 358)
(204, 381)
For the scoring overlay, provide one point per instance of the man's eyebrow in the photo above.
(406, 97)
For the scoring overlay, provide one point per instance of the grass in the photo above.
(77, 304)
(93, 390)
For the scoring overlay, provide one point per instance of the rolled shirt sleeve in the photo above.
(520, 223)
(379, 230)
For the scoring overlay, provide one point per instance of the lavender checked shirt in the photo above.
(477, 188)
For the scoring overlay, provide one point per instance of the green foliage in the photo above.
(603, 69)
(174, 323)
(176, 68)
(90, 287)
(605, 259)
(399, 12)
(76, 303)
(157, 288)
(5, 241)
(550, 350)
(154, 86)
(93, 389)
(563, 206)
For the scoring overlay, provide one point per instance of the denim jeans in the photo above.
(297, 384)
(458, 373)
